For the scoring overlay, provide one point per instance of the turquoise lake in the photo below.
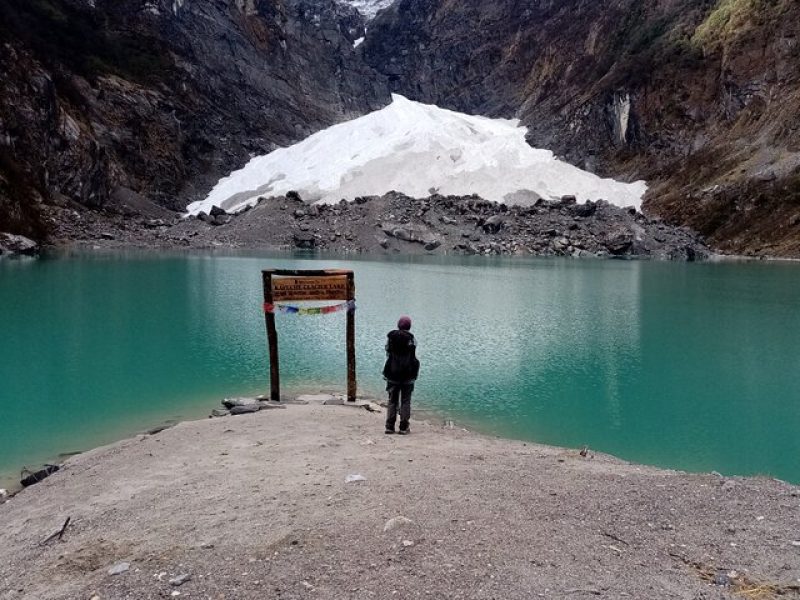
(688, 366)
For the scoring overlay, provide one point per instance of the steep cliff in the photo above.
(136, 104)
(700, 97)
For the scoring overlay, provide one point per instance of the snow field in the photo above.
(415, 149)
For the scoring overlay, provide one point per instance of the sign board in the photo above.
(299, 286)
(286, 289)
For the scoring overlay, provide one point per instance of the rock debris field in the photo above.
(396, 224)
(314, 501)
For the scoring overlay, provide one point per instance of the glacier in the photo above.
(416, 149)
(368, 8)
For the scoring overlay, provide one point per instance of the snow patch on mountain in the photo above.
(368, 8)
(415, 149)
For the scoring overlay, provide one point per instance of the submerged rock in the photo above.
(39, 475)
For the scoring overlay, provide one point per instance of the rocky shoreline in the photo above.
(396, 224)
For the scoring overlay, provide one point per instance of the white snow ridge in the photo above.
(368, 8)
(414, 148)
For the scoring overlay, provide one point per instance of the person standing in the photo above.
(400, 372)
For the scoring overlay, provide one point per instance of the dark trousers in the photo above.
(399, 394)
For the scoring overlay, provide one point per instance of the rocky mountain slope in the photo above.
(700, 97)
(130, 105)
(135, 105)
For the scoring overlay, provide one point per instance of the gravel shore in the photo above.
(258, 506)
(396, 224)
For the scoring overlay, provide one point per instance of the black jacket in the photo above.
(401, 365)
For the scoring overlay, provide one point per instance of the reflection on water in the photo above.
(691, 366)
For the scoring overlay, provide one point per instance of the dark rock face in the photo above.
(161, 98)
(688, 95)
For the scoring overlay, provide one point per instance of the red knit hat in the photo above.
(404, 323)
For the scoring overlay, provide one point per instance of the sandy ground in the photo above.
(257, 506)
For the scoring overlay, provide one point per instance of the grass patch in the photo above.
(730, 18)
(739, 583)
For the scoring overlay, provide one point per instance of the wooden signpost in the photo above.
(300, 286)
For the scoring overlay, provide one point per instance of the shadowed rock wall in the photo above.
(118, 103)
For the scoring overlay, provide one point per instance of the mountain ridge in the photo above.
(136, 106)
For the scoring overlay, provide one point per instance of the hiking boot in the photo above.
(404, 431)
(389, 431)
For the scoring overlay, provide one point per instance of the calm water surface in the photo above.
(691, 366)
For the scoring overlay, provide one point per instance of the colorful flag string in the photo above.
(349, 306)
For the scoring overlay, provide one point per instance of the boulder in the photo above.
(17, 244)
(180, 580)
(403, 234)
(396, 523)
(432, 245)
(245, 410)
(119, 568)
(216, 211)
(619, 243)
(233, 402)
(585, 210)
(560, 244)
(305, 241)
(494, 224)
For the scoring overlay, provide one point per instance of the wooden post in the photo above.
(272, 338)
(291, 290)
(351, 341)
